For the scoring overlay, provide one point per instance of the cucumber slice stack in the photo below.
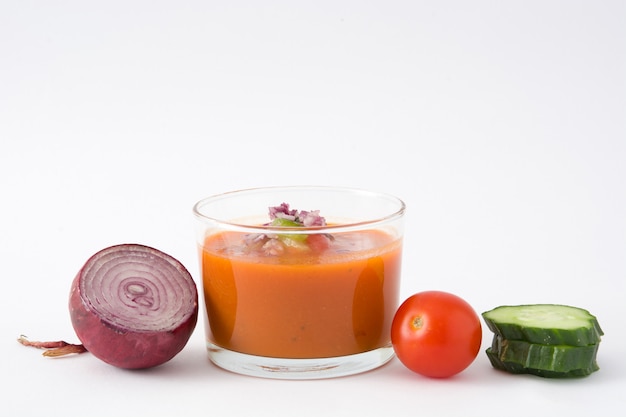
(548, 340)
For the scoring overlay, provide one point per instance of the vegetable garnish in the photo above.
(299, 218)
(283, 216)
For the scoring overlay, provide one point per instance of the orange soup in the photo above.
(313, 303)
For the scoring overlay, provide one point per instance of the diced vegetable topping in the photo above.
(274, 244)
(299, 218)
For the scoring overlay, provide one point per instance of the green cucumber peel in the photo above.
(553, 358)
(517, 368)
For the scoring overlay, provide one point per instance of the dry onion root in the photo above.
(131, 306)
(53, 349)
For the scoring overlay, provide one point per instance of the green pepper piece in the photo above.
(295, 240)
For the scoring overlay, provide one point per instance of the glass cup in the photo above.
(300, 301)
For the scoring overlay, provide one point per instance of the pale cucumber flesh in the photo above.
(546, 324)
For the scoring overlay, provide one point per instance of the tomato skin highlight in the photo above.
(436, 334)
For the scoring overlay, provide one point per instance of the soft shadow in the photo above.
(191, 364)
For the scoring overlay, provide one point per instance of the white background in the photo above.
(501, 124)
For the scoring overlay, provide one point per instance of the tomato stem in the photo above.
(417, 322)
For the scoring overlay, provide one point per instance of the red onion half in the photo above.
(133, 306)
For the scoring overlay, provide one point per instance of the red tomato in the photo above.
(436, 334)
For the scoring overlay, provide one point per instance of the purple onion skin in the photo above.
(131, 343)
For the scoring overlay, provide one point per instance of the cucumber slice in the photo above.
(516, 368)
(554, 358)
(546, 324)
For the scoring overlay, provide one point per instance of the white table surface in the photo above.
(501, 124)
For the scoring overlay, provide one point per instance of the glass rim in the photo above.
(393, 215)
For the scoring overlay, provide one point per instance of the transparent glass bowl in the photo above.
(300, 302)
